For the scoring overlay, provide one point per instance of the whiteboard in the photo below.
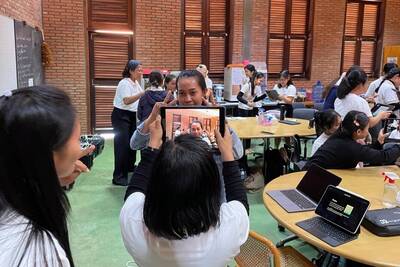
(8, 69)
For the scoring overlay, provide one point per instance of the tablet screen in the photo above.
(200, 121)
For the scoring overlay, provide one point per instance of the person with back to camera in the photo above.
(152, 95)
(173, 214)
(330, 92)
(343, 150)
(373, 86)
(40, 148)
(348, 96)
(123, 119)
(191, 91)
(327, 122)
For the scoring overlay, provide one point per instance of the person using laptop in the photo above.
(343, 151)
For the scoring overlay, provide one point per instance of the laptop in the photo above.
(272, 95)
(308, 192)
(340, 213)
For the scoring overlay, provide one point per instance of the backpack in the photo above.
(274, 164)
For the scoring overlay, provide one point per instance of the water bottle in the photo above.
(318, 89)
(218, 93)
(390, 190)
(282, 112)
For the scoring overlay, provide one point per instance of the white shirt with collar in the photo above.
(373, 85)
(352, 102)
(387, 93)
(246, 90)
(126, 88)
(286, 91)
(217, 247)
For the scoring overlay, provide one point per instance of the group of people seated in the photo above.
(186, 204)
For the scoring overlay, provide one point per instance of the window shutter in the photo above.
(275, 55)
(110, 14)
(110, 54)
(370, 20)
(351, 19)
(217, 15)
(367, 61)
(296, 56)
(104, 98)
(349, 54)
(299, 17)
(277, 16)
(193, 51)
(193, 15)
(217, 55)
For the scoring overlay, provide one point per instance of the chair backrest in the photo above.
(319, 106)
(298, 105)
(258, 251)
(304, 113)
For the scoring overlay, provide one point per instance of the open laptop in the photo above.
(308, 192)
(340, 215)
(272, 95)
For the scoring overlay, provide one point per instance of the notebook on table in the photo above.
(340, 213)
(308, 192)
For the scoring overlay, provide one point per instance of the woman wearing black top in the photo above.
(343, 151)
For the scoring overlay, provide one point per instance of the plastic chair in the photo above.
(296, 105)
(258, 251)
(305, 114)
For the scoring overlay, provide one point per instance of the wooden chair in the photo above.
(258, 251)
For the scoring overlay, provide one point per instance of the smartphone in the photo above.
(196, 120)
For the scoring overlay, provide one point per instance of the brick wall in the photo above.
(24, 10)
(64, 30)
(158, 33)
(391, 35)
(237, 31)
(259, 30)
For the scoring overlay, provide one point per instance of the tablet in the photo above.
(378, 108)
(272, 94)
(197, 120)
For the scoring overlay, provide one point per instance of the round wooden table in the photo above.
(248, 128)
(367, 248)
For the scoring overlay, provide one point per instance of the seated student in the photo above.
(388, 90)
(196, 129)
(327, 122)
(287, 91)
(348, 96)
(209, 84)
(151, 96)
(342, 151)
(39, 141)
(330, 92)
(373, 86)
(173, 215)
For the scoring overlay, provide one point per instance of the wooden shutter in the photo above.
(367, 57)
(104, 98)
(370, 20)
(352, 11)
(349, 54)
(110, 54)
(110, 14)
(217, 37)
(193, 54)
(288, 36)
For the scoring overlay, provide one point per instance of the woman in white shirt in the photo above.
(123, 119)
(40, 148)
(173, 214)
(388, 90)
(209, 84)
(374, 85)
(348, 96)
(287, 92)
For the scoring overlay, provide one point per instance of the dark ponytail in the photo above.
(155, 78)
(251, 68)
(389, 75)
(324, 120)
(353, 121)
(354, 77)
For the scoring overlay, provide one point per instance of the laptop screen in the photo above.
(315, 182)
(342, 208)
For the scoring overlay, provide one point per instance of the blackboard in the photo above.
(28, 43)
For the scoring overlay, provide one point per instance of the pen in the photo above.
(267, 132)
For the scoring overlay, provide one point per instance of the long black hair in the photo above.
(130, 65)
(155, 78)
(389, 75)
(353, 121)
(324, 120)
(251, 68)
(183, 194)
(35, 122)
(354, 77)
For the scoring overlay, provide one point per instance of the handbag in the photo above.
(383, 222)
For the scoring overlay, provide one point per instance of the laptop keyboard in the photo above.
(298, 199)
(325, 231)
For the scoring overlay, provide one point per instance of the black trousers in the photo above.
(124, 124)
